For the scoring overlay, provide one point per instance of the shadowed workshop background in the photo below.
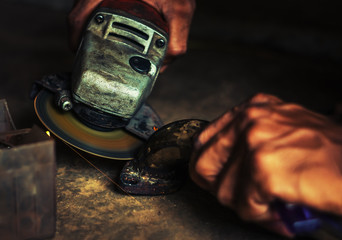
(292, 49)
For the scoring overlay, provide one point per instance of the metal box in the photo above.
(27, 181)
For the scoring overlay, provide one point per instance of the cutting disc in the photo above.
(116, 144)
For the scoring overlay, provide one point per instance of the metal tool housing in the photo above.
(117, 62)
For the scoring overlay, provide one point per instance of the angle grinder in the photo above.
(101, 103)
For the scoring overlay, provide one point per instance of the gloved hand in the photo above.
(267, 149)
(177, 13)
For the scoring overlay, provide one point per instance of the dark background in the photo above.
(292, 49)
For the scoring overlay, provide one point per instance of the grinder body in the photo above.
(118, 61)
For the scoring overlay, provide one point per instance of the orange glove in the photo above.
(177, 13)
(266, 149)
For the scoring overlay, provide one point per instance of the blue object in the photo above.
(305, 221)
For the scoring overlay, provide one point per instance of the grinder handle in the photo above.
(138, 9)
(301, 220)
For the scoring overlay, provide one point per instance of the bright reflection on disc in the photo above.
(117, 144)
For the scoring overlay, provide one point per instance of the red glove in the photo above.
(267, 149)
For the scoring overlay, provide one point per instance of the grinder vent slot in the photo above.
(129, 41)
(130, 29)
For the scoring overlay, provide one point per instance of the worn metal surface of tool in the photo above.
(102, 103)
(161, 165)
(118, 61)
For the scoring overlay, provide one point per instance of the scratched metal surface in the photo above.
(208, 80)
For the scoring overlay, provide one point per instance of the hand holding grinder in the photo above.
(116, 66)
